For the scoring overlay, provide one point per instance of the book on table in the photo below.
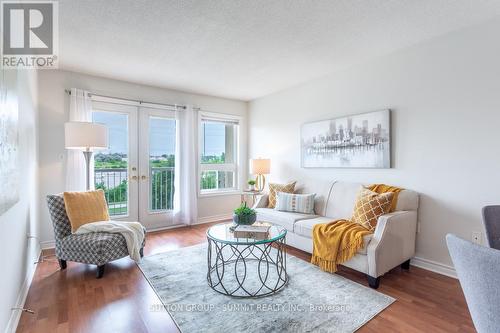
(258, 231)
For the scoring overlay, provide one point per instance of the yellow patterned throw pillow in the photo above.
(370, 206)
(275, 188)
(85, 207)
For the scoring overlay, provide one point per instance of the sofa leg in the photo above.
(406, 265)
(373, 282)
(141, 252)
(62, 264)
(100, 271)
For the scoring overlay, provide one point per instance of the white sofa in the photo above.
(391, 244)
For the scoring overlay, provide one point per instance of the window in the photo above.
(218, 155)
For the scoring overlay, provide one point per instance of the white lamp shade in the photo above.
(260, 166)
(85, 135)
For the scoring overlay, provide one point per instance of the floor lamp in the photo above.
(87, 137)
(260, 167)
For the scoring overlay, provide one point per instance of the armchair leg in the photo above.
(141, 252)
(406, 265)
(62, 264)
(373, 282)
(100, 271)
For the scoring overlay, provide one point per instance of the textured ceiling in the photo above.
(245, 49)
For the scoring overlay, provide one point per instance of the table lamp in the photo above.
(260, 167)
(87, 137)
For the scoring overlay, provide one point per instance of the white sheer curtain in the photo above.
(186, 159)
(80, 109)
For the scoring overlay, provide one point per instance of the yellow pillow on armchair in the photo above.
(85, 207)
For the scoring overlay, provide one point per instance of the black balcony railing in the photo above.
(114, 182)
(161, 188)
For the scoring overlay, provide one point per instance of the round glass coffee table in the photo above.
(246, 267)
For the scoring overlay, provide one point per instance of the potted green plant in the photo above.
(244, 215)
(251, 184)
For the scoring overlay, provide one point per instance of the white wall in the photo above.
(54, 107)
(445, 97)
(17, 253)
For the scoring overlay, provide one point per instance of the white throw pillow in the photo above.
(297, 203)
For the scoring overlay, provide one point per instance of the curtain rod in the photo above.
(68, 91)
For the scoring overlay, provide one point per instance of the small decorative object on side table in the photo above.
(251, 185)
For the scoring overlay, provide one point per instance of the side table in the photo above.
(249, 193)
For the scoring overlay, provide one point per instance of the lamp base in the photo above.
(88, 158)
(260, 182)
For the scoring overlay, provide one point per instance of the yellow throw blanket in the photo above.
(382, 188)
(336, 242)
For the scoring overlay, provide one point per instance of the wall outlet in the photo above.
(476, 237)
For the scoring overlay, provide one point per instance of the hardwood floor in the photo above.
(73, 300)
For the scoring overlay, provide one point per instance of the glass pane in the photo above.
(161, 163)
(225, 179)
(218, 143)
(209, 180)
(111, 165)
(214, 180)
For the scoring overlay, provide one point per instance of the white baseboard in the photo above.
(15, 315)
(214, 218)
(46, 245)
(434, 266)
(175, 226)
(201, 220)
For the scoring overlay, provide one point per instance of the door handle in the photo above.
(133, 178)
(144, 177)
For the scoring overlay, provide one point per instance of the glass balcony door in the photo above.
(157, 146)
(137, 171)
(116, 169)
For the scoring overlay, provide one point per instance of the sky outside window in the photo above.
(214, 139)
(117, 124)
(162, 131)
(162, 136)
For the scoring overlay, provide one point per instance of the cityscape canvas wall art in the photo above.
(357, 141)
(9, 168)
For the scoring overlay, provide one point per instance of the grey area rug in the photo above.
(312, 301)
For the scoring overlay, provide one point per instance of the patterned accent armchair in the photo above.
(94, 248)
